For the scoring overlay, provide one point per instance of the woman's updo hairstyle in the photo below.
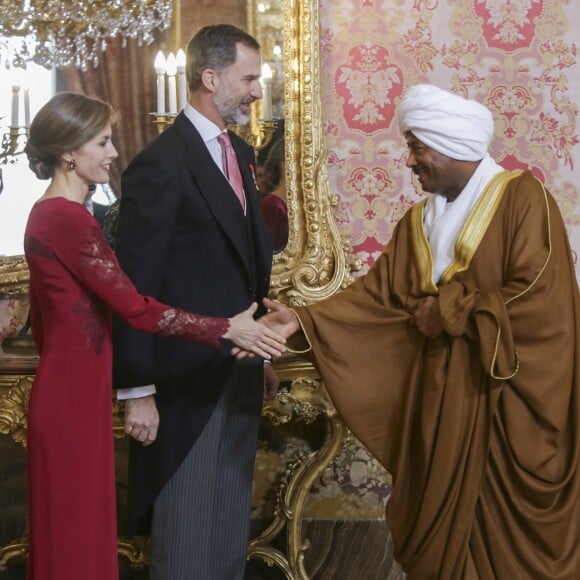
(64, 124)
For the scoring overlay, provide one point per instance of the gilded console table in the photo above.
(16, 375)
(301, 398)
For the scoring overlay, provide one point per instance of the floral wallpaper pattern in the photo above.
(518, 57)
(13, 315)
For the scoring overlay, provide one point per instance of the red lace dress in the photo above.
(75, 284)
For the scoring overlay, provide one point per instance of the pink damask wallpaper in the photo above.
(13, 313)
(518, 57)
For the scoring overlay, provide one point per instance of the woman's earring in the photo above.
(71, 165)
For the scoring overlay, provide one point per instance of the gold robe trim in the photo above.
(469, 237)
(466, 245)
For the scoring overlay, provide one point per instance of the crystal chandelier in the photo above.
(63, 33)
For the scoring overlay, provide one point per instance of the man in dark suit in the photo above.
(98, 210)
(187, 239)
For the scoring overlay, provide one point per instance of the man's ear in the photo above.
(210, 79)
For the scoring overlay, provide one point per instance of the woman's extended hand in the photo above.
(255, 338)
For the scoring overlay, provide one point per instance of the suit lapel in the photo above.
(215, 189)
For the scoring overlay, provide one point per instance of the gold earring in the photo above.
(71, 165)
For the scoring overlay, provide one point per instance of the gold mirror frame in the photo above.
(315, 263)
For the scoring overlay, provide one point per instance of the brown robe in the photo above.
(478, 427)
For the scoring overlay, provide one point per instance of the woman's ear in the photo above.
(67, 157)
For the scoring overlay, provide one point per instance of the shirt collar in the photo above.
(206, 128)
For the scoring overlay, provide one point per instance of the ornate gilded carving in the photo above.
(14, 395)
(315, 263)
(304, 400)
(14, 276)
(135, 552)
(16, 550)
(118, 419)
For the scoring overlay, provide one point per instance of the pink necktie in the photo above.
(231, 167)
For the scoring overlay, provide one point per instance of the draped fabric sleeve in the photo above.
(366, 352)
(484, 314)
(83, 249)
(478, 426)
(526, 329)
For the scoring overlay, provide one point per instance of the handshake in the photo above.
(265, 337)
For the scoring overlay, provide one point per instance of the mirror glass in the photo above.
(21, 188)
(266, 23)
(269, 31)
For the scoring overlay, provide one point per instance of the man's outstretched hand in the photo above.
(279, 318)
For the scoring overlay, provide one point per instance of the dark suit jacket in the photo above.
(99, 212)
(183, 239)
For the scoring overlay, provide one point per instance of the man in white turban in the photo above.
(455, 360)
(455, 133)
(454, 126)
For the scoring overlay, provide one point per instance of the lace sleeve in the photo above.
(178, 323)
(92, 261)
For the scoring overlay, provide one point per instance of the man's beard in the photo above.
(229, 109)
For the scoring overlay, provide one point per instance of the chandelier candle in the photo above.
(171, 83)
(160, 67)
(15, 99)
(180, 60)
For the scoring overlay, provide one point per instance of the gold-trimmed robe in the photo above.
(479, 427)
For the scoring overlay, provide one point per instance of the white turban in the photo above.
(457, 127)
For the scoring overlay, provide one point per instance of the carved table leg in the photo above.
(135, 552)
(305, 400)
(16, 550)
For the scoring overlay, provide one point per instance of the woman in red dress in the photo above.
(273, 205)
(75, 285)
